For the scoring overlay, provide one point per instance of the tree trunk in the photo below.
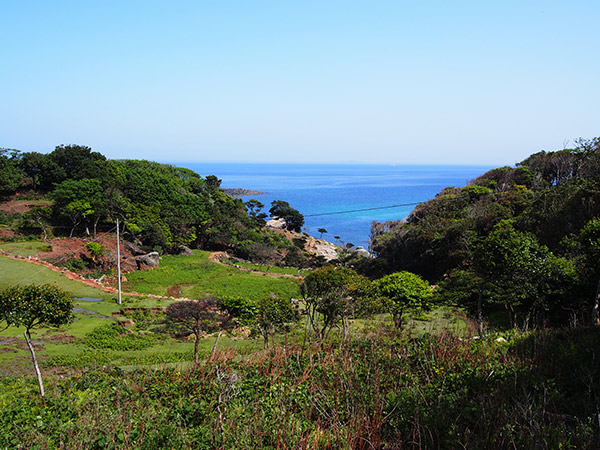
(480, 309)
(196, 349)
(41, 224)
(38, 374)
(345, 327)
(96, 226)
(214, 349)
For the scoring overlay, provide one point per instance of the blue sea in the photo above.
(318, 190)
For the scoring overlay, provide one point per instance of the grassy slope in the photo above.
(201, 277)
(198, 277)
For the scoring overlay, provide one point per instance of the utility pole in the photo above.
(118, 264)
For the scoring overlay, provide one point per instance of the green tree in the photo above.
(254, 212)
(42, 170)
(10, 175)
(197, 317)
(322, 231)
(274, 314)
(334, 294)
(523, 275)
(292, 217)
(32, 306)
(40, 216)
(243, 310)
(590, 264)
(403, 290)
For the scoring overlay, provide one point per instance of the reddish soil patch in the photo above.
(14, 205)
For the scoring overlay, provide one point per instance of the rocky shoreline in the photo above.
(240, 192)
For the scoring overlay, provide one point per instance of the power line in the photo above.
(364, 209)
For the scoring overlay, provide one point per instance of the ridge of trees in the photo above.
(161, 207)
(521, 239)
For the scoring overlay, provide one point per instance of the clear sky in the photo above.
(482, 82)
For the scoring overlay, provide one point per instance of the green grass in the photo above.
(265, 268)
(28, 248)
(198, 277)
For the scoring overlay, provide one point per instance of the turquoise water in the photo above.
(326, 188)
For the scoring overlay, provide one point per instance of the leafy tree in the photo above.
(32, 306)
(292, 217)
(197, 317)
(322, 231)
(40, 216)
(274, 314)
(10, 175)
(96, 249)
(76, 199)
(243, 310)
(522, 274)
(77, 161)
(403, 290)
(334, 294)
(254, 211)
(590, 267)
(42, 170)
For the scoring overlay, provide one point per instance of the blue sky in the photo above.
(306, 81)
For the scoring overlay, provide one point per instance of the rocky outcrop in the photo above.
(276, 223)
(239, 192)
(183, 250)
(134, 249)
(148, 261)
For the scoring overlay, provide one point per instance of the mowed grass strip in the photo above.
(198, 277)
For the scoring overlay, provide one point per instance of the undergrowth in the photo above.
(376, 391)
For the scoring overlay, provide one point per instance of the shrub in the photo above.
(112, 337)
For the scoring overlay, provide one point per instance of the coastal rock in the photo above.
(240, 192)
(276, 223)
(148, 261)
(362, 251)
(322, 248)
(183, 250)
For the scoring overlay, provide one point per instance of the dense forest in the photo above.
(522, 239)
(161, 207)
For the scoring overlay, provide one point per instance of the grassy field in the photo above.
(198, 277)
(265, 268)
(67, 347)
(27, 248)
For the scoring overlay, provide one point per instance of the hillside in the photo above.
(522, 239)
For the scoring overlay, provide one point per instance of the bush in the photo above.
(112, 337)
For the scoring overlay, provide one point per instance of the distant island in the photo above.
(240, 192)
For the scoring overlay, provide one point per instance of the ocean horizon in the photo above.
(341, 198)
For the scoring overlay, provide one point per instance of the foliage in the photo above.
(243, 310)
(196, 317)
(273, 315)
(403, 291)
(96, 249)
(518, 229)
(334, 294)
(292, 217)
(380, 391)
(115, 337)
(31, 306)
(10, 175)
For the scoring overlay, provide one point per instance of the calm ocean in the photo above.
(326, 188)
